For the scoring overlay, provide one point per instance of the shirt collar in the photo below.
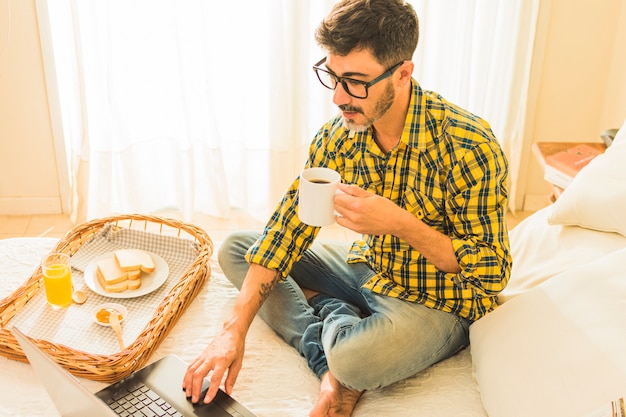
(414, 133)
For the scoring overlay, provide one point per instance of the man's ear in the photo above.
(406, 71)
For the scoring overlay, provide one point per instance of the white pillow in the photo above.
(596, 198)
(557, 349)
(621, 134)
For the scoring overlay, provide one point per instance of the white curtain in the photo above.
(478, 54)
(188, 105)
(203, 106)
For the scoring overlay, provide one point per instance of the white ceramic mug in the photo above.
(316, 199)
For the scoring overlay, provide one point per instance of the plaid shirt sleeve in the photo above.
(285, 237)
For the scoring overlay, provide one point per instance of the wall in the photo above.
(579, 90)
(614, 109)
(28, 172)
(581, 85)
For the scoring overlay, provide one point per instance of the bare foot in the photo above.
(335, 400)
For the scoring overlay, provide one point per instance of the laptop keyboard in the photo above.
(141, 402)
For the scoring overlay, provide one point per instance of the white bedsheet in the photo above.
(541, 251)
(274, 381)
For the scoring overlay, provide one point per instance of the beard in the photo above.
(380, 108)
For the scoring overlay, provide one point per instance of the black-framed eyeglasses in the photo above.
(356, 88)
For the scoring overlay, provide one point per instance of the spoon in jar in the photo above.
(114, 321)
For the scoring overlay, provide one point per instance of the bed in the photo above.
(553, 348)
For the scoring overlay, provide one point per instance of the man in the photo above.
(424, 181)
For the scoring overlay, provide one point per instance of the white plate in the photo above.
(149, 281)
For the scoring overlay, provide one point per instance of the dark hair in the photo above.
(388, 28)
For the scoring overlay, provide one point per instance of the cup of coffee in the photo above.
(316, 205)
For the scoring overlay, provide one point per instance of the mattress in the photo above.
(275, 380)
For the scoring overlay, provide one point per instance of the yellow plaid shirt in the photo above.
(449, 171)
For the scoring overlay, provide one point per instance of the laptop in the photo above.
(156, 385)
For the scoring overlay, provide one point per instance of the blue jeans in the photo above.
(367, 340)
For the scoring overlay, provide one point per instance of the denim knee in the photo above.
(373, 358)
(353, 370)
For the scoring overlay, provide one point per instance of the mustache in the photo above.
(349, 108)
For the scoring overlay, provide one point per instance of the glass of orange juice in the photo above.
(57, 279)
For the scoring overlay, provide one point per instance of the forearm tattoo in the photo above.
(266, 289)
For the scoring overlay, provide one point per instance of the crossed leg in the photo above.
(346, 327)
(335, 400)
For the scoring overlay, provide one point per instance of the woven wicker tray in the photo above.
(111, 368)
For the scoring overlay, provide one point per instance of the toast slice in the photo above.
(119, 287)
(109, 272)
(134, 275)
(134, 260)
(133, 284)
(129, 284)
(113, 279)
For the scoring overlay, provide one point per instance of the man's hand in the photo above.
(367, 213)
(223, 355)
(371, 214)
